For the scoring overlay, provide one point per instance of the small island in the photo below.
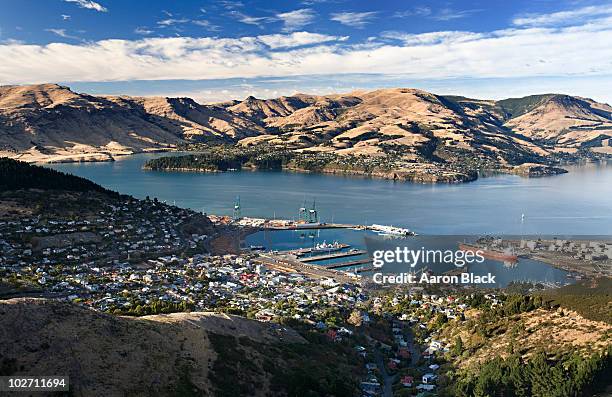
(222, 158)
(391, 164)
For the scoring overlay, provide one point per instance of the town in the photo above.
(126, 257)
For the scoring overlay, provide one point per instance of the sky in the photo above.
(229, 49)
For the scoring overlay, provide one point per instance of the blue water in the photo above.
(579, 202)
(526, 270)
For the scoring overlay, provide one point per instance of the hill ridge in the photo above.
(50, 122)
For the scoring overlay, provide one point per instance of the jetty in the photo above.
(346, 264)
(334, 255)
(304, 251)
(288, 265)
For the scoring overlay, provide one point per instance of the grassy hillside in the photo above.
(182, 354)
(514, 107)
(530, 346)
(592, 298)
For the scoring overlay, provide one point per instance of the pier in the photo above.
(346, 264)
(288, 265)
(318, 226)
(303, 251)
(334, 255)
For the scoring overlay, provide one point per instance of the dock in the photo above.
(319, 226)
(303, 251)
(334, 255)
(346, 264)
(288, 265)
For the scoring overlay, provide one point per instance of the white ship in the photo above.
(325, 247)
(391, 230)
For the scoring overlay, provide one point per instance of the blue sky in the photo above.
(217, 50)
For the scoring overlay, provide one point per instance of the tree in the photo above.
(458, 347)
(355, 318)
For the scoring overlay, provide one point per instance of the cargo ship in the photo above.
(506, 255)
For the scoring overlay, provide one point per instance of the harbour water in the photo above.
(577, 203)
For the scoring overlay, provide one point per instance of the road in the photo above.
(387, 379)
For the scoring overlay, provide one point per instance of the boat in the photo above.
(506, 255)
(257, 247)
(391, 230)
(325, 247)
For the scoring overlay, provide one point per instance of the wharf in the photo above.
(346, 264)
(333, 256)
(303, 251)
(291, 265)
(319, 226)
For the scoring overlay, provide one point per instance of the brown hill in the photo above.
(50, 122)
(415, 121)
(565, 121)
(104, 355)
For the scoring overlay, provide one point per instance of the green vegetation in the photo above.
(139, 308)
(571, 376)
(222, 158)
(15, 175)
(317, 368)
(591, 299)
(265, 157)
(514, 107)
(507, 362)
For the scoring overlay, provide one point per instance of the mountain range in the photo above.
(49, 122)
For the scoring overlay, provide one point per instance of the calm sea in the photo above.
(577, 203)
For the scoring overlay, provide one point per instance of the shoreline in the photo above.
(99, 156)
(425, 175)
(401, 175)
(565, 265)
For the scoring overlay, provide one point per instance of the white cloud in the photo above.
(65, 17)
(444, 37)
(172, 21)
(563, 17)
(447, 14)
(62, 33)
(296, 19)
(297, 39)
(231, 5)
(143, 30)
(581, 50)
(250, 20)
(418, 11)
(91, 5)
(443, 14)
(353, 19)
(206, 25)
